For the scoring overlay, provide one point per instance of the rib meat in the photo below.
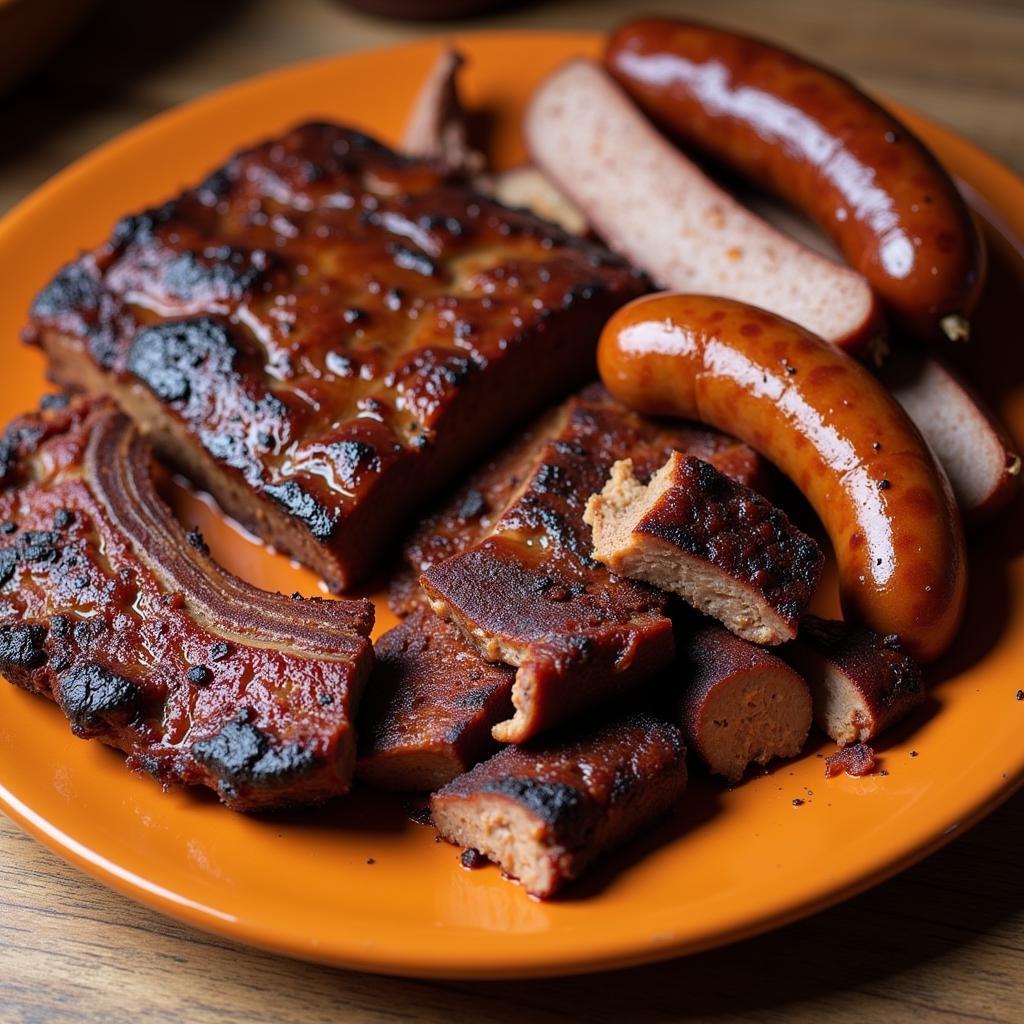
(109, 608)
(323, 332)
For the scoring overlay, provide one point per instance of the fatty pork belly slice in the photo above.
(547, 810)
(526, 592)
(429, 707)
(739, 704)
(720, 546)
(324, 332)
(109, 608)
(862, 683)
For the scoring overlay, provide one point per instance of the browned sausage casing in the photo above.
(826, 423)
(806, 134)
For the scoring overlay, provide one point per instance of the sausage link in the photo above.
(825, 422)
(813, 138)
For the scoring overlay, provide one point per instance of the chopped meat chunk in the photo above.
(719, 545)
(545, 811)
(740, 704)
(429, 707)
(861, 683)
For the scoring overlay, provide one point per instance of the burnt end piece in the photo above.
(576, 640)
(719, 545)
(120, 616)
(519, 583)
(429, 706)
(545, 811)
(317, 291)
(861, 682)
(241, 753)
(93, 698)
(738, 703)
(22, 651)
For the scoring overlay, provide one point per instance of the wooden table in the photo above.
(944, 941)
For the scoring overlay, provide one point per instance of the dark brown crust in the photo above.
(731, 529)
(323, 332)
(578, 636)
(429, 707)
(529, 594)
(885, 678)
(586, 791)
(110, 609)
(714, 518)
(469, 515)
(712, 662)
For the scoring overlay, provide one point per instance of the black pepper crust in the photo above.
(120, 617)
(324, 331)
(587, 789)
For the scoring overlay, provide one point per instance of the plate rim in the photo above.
(997, 177)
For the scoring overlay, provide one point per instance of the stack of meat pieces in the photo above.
(324, 334)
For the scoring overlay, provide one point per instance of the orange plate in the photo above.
(357, 884)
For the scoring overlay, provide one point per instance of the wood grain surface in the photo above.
(944, 941)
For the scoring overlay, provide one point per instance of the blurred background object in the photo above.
(428, 10)
(30, 30)
(128, 60)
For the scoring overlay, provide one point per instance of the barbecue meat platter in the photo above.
(612, 483)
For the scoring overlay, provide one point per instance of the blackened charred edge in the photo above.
(141, 228)
(863, 652)
(8, 565)
(223, 271)
(89, 693)
(18, 440)
(166, 357)
(241, 753)
(76, 290)
(568, 812)
(22, 648)
(298, 502)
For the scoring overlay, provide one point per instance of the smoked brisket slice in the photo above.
(545, 811)
(109, 608)
(429, 707)
(524, 589)
(323, 333)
